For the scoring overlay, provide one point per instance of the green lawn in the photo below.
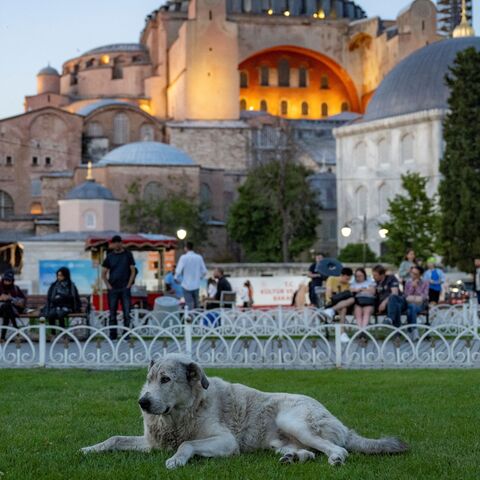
(47, 415)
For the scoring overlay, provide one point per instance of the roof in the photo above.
(90, 190)
(106, 102)
(117, 47)
(417, 83)
(48, 70)
(146, 153)
(138, 241)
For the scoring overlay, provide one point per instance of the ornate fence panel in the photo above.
(275, 338)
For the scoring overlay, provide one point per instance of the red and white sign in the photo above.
(269, 291)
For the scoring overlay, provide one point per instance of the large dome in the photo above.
(418, 82)
(146, 153)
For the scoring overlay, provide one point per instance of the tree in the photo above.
(164, 215)
(460, 167)
(353, 253)
(276, 213)
(414, 220)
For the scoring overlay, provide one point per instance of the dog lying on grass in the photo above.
(188, 414)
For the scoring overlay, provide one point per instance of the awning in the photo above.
(137, 241)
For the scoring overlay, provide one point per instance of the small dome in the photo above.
(146, 153)
(90, 190)
(106, 102)
(417, 83)
(48, 71)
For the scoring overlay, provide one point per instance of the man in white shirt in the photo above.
(191, 269)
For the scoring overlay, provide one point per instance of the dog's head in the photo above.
(172, 382)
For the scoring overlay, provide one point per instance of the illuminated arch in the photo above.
(341, 87)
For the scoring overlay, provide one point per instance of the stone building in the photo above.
(401, 131)
(205, 77)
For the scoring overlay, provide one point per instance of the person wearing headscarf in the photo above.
(12, 301)
(62, 298)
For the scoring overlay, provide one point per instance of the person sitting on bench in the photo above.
(12, 301)
(62, 298)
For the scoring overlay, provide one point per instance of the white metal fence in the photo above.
(277, 338)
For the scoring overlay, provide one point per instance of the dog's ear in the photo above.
(195, 373)
(152, 363)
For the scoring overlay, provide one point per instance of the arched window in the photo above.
(36, 208)
(117, 69)
(263, 106)
(243, 104)
(324, 83)
(345, 107)
(153, 191)
(283, 107)
(324, 110)
(206, 201)
(243, 79)
(283, 73)
(382, 199)
(406, 148)
(121, 129)
(360, 154)
(361, 202)
(147, 133)
(382, 152)
(36, 187)
(90, 63)
(264, 76)
(302, 77)
(94, 129)
(6, 205)
(90, 220)
(304, 108)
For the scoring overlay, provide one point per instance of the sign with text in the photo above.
(269, 291)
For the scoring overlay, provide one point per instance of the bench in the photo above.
(35, 303)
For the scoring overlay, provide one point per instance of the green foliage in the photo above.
(414, 220)
(353, 253)
(276, 213)
(163, 215)
(460, 167)
(41, 441)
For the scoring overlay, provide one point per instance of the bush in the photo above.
(353, 253)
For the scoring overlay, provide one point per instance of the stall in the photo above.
(98, 246)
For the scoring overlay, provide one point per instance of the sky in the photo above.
(34, 33)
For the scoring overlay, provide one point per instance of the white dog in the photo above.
(185, 412)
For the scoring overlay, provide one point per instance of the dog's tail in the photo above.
(356, 443)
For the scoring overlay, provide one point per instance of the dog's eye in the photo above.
(164, 379)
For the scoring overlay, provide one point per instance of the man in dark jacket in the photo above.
(12, 301)
(223, 285)
(118, 274)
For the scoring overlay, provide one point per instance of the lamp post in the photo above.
(181, 234)
(346, 231)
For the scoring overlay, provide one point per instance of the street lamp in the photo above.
(346, 231)
(181, 234)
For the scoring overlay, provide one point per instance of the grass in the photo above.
(47, 415)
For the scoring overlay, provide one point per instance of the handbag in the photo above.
(365, 300)
(341, 296)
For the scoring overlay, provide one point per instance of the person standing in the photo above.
(316, 280)
(62, 298)
(12, 301)
(118, 275)
(191, 269)
(435, 278)
(408, 262)
(476, 278)
(223, 285)
(246, 295)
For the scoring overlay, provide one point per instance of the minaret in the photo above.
(464, 29)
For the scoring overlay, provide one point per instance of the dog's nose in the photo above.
(144, 403)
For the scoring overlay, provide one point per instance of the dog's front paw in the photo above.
(86, 450)
(338, 457)
(176, 461)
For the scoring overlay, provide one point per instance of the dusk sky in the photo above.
(34, 33)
